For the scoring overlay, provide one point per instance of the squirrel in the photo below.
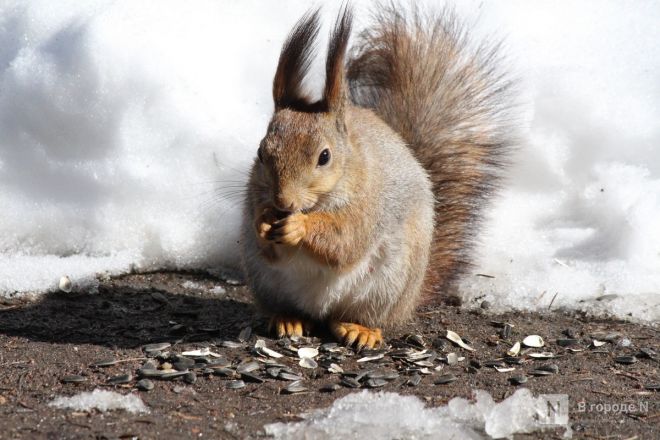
(361, 202)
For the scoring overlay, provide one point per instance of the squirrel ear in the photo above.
(295, 60)
(334, 95)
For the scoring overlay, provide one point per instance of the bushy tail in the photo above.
(450, 102)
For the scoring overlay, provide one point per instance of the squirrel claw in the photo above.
(356, 334)
(287, 326)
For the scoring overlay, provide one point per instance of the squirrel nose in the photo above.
(284, 205)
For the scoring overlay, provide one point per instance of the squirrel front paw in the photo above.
(289, 230)
(355, 334)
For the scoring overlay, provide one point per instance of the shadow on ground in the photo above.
(126, 315)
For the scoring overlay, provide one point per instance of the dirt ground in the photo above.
(64, 334)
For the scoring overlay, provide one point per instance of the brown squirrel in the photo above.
(359, 202)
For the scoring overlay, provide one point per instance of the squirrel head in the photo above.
(302, 157)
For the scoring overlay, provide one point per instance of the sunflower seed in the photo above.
(144, 385)
(505, 333)
(120, 379)
(375, 383)
(190, 377)
(444, 379)
(518, 380)
(334, 368)
(646, 352)
(289, 376)
(295, 387)
(307, 363)
(105, 362)
(505, 369)
(534, 341)
(231, 344)
(307, 352)
(235, 384)
(159, 346)
(247, 367)
(456, 339)
(252, 378)
(514, 350)
(568, 342)
(150, 372)
(543, 355)
(627, 360)
(330, 347)
(74, 378)
(552, 368)
(414, 380)
(245, 334)
(415, 340)
(350, 382)
(329, 387)
(371, 358)
(173, 374)
(223, 371)
(184, 365)
(539, 372)
(494, 363)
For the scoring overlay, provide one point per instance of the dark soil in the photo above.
(63, 334)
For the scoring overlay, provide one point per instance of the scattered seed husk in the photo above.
(159, 346)
(308, 363)
(539, 372)
(150, 372)
(414, 380)
(120, 379)
(289, 376)
(235, 384)
(415, 340)
(218, 362)
(330, 347)
(568, 342)
(231, 344)
(173, 374)
(444, 379)
(513, 360)
(475, 363)
(202, 352)
(73, 378)
(334, 368)
(626, 360)
(534, 341)
(105, 362)
(65, 284)
(295, 387)
(223, 371)
(505, 333)
(653, 386)
(307, 352)
(553, 368)
(439, 343)
(184, 364)
(574, 350)
(273, 372)
(596, 343)
(514, 350)
(350, 382)
(424, 363)
(245, 334)
(247, 366)
(518, 380)
(452, 358)
(330, 387)
(252, 378)
(371, 358)
(456, 339)
(190, 377)
(646, 352)
(272, 353)
(375, 383)
(496, 363)
(542, 355)
(144, 385)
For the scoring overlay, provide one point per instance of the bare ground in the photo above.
(64, 334)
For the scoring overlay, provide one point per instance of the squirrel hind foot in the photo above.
(288, 326)
(356, 335)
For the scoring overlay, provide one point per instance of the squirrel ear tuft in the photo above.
(334, 95)
(295, 60)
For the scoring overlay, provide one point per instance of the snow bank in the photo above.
(392, 416)
(126, 129)
(101, 400)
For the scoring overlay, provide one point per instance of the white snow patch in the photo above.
(386, 415)
(101, 400)
(127, 128)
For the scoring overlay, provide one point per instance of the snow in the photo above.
(101, 400)
(387, 415)
(126, 129)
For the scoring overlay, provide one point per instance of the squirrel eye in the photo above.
(324, 157)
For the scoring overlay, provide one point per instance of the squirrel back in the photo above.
(451, 104)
